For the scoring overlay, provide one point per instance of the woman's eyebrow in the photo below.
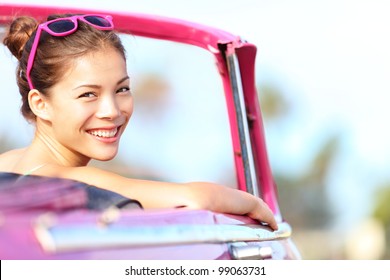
(122, 80)
(87, 85)
(99, 86)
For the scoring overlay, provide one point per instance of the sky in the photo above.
(331, 61)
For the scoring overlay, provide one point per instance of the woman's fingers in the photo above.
(264, 214)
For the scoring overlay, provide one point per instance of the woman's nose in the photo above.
(108, 108)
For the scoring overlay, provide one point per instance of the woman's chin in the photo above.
(104, 157)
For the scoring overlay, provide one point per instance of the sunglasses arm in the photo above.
(31, 56)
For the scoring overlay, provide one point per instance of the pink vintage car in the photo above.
(50, 218)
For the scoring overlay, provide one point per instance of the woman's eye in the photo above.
(123, 89)
(87, 94)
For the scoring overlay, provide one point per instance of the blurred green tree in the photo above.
(303, 197)
(381, 212)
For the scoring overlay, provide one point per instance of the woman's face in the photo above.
(91, 106)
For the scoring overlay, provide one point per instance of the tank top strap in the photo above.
(34, 169)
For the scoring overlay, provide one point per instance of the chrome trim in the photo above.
(243, 129)
(69, 237)
(245, 251)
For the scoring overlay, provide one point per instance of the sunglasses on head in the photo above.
(61, 27)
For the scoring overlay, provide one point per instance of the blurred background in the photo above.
(322, 76)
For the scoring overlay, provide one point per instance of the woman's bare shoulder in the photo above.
(10, 158)
(13, 153)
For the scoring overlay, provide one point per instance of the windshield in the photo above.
(179, 130)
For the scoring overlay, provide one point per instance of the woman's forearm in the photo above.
(195, 195)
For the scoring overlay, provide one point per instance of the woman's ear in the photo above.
(38, 104)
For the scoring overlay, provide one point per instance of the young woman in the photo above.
(75, 89)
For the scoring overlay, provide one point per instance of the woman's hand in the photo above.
(226, 200)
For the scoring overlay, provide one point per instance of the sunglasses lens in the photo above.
(61, 26)
(99, 21)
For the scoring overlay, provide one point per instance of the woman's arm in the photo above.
(195, 195)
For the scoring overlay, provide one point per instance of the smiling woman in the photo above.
(75, 88)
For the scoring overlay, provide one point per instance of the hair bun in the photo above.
(19, 32)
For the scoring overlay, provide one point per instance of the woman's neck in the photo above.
(51, 151)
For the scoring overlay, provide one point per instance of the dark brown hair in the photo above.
(54, 55)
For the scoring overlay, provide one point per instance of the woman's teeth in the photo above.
(104, 133)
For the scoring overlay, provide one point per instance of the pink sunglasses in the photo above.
(63, 27)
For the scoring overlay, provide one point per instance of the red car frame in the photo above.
(75, 232)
